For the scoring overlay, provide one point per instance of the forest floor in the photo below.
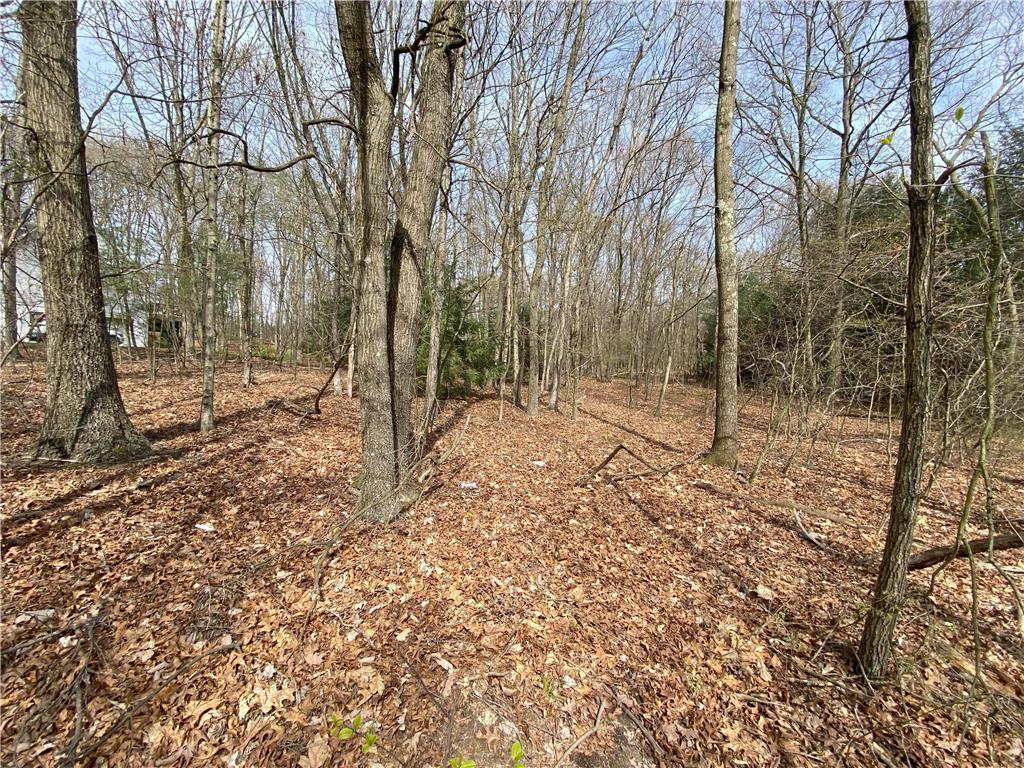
(165, 612)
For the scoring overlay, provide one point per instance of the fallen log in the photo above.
(937, 555)
(786, 504)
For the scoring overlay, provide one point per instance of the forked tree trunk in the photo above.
(890, 588)
(723, 449)
(85, 418)
(212, 179)
(389, 296)
(410, 245)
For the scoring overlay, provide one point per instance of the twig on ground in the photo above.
(786, 504)
(132, 710)
(813, 538)
(584, 737)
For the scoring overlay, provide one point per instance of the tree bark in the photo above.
(389, 301)
(724, 447)
(12, 159)
(410, 245)
(85, 419)
(212, 180)
(436, 308)
(890, 588)
(247, 246)
(374, 126)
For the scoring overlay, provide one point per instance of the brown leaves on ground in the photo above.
(504, 607)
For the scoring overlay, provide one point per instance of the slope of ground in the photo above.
(208, 607)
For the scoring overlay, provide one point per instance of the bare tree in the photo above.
(890, 587)
(391, 268)
(724, 447)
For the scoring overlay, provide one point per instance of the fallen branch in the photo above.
(584, 737)
(786, 504)
(637, 721)
(320, 393)
(938, 555)
(288, 405)
(607, 460)
(813, 538)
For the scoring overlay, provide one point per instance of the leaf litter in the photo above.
(163, 612)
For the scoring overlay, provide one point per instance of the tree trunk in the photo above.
(410, 247)
(247, 246)
(389, 301)
(724, 447)
(890, 588)
(436, 307)
(10, 291)
(544, 202)
(373, 108)
(12, 160)
(85, 419)
(212, 179)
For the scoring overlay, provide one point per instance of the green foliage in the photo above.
(461, 762)
(467, 351)
(515, 754)
(345, 731)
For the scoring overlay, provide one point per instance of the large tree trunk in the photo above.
(411, 240)
(85, 418)
(890, 588)
(723, 449)
(389, 301)
(212, 180)
(374, 120)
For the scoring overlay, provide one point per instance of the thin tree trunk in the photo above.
(12, 160)
(544, 202)
(436, 307)
(247, 245)
(212, 179)
(85, 418)
(890, 588)
(724, 447)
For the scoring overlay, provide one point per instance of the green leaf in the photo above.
(346, 733)
(357, 723)
(959, 114)
(516, 752)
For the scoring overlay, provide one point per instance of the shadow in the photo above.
(454, 417)
(181, 428)
(629, 430)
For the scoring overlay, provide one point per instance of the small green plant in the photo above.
(549, 688)
(515, 752)
(461, 762)
(345, 731)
